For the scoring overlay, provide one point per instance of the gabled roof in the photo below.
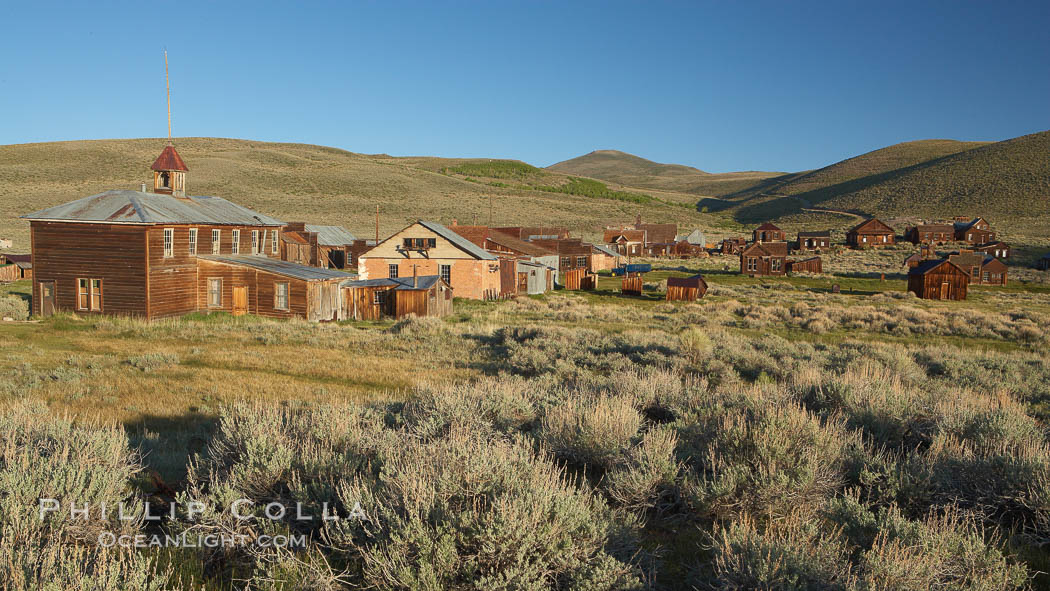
(398, 283)
(614, 234)
(293, 236)
(872, 226)
(331, 235)
(459, 241)
(768, 226)
(17, 258)
(277, 267)
(818, 234)
(772, 249)
(969, 224)
(993, 262)
(169, 159)
(517, 245)
(694, 237)
(693, 281)
(134, 207)
(606, 251)
(659, 233)
(967, 259)
(928, 266)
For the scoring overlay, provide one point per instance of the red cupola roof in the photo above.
(169, 159)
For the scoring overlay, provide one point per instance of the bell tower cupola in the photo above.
(169, 173)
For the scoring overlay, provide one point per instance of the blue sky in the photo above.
(717, 85)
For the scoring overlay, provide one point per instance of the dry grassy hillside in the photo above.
(633, 171)
(302, 182)
(875, 162)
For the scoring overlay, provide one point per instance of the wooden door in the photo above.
(946, 290)
(47, 298)
(240, 300)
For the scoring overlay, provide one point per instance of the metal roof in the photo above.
(816, 234)
(278, 267)
(929, 265)
(135, 207)
(169, 159)
(461, 242)
(400, 283)
(331, 235)
(605, 250)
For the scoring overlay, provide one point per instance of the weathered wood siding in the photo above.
(686, 288)
(114, 253)
(260, 286)
(632, 285)
(931, 286)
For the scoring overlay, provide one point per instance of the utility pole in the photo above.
(377, 224)
(167, 85)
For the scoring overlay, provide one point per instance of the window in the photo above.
(987, 276)
(392, 271)
(165, 180)
(216, 244)
(581, 262)
(273, 245)
(169, 239)
(431, 242)
(884, 237)
(566, 262)
(215, 293)
(775, 264)
(235, 247)
(379, 297)
(280, 296)
(193, 241)
(89, 294)
(446, 273)
(255, 242)
(752, 264)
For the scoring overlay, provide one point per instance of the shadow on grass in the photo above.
(167, 443)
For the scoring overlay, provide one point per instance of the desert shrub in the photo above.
(153, 361)
(14, 307)
(503, 404)
(413, 325)
(593, 431)
(760, 454)
(42, 457)
(792, 554)
(648, 479)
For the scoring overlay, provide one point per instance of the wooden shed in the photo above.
(764, 258)
(686, 289)
(870, 234)
(252, 284)
(810, 265)
(632, 284)
(373, 299)
(23, 264)
(938, 280)
(580, 279)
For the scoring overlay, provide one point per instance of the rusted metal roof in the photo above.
(331, 235)
(459, 241)
(399, 283)
(773, 249)
(134, 207)
(169, 159)
(767, 226)
(928, 266)
(278, 267)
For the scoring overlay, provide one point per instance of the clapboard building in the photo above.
(162, 253)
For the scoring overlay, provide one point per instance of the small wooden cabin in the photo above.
(871, 233)
(810, 265)
(373, 299)
(938, 280)
(975, 231)
(997, 249)
(580, 279)
(733, 245)
(632, 284)
(686, 289)
(930, 233)
(767, 232)
(764, 258)
(814, 240)
(264, 286)
(22, 266)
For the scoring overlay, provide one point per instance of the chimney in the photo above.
(143, 189)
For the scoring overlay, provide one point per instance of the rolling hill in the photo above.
(310, 183)
(633, 171)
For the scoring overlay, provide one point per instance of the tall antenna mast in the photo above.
(167, 84)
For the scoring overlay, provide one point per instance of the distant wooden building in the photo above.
(975, 231)
(913, 260)
(814, 240)
(767, 232)
(733, 245)
(764, 258)
(573, 253)
(507, 245)
(997, 249)
(429, 248)
(21, 266)
(530, 233)
(872, 233)
(632, 284)
(1043, 264)
(810, 265)
(930, 234)
(603, 258)
(686, 289)
(983, 269)
(163, 253)
(641, 239)
(938, 280)
(374, 299)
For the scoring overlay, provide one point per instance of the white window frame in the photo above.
(218, 302)
(169, 242)
(392, 271)
(273, 245)
(193, 241)
(445, 272)
(278, 304)
(216, 241)
(235, 246)
(255, 242)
